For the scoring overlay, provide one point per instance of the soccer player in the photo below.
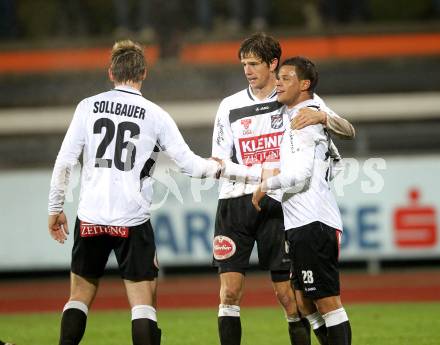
(311, 216)
(247, 131)
(119, 133)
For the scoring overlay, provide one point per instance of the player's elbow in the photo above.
(352, 133)
(348, 134)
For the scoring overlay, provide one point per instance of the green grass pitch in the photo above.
(381, 324)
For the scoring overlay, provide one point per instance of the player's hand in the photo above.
(256, 198)
(307, 117)
(266, 173)
(218, 160)
(58, 227)
(222, 166)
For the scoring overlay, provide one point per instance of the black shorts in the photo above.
(134, 248)
(238, 226)
(314, 252)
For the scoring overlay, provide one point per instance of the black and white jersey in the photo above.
(119, 133)
(305, 169)
(248, 132)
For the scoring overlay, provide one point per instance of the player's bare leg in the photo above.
(142, 298)
(299, 329)
(231, 292)
(73, 322)
(336, 320)
(308, 309)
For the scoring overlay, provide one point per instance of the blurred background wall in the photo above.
(379, 64)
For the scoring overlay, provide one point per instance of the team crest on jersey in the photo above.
(223, 247)
(276, 121)
(246, 123)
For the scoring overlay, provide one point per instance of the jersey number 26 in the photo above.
(120, 144)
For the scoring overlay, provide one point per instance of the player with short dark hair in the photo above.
(263, 46)
(248, 129)
(311, 216)
(119, 133)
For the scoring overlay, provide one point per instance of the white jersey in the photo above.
(248, 132)
(119, 133)
(305, 168)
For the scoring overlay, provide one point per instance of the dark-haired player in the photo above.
(247, 131)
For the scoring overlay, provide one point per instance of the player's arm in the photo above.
(250, 174)
(300, 157)
(173, 144)
(334, 123)
(325, 116)
(68, 155)
(338, 125)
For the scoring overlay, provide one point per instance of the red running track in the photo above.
(202, 291)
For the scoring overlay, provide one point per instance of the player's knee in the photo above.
(302, 309)
(230, 295)
(83, 289)
(284, 294)
(285, 299)
(328, 304)
(305, 308)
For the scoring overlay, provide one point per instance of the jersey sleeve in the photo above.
(336, 124)
(299, 157)
(222, 138)
(68, 155)
(249, 174)
(172, 143)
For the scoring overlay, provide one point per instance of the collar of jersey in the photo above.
(306, 103)
(128, 89)
(252, 96)
(292, 111)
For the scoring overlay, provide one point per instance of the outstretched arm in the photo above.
(173, 144)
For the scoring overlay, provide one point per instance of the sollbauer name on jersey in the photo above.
(121, 109)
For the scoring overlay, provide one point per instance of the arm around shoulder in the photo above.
(339, 126)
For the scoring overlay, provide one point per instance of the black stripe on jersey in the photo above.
(234, 155)
(249, 94)
(149, 164)
(314, 106)
(253, 110)
(329, 142)
(274, 93)
(133, 93)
